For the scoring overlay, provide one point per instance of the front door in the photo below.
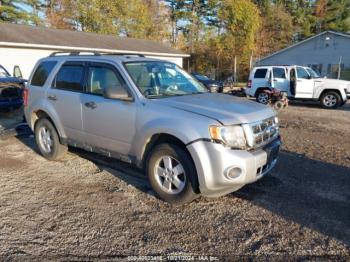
(65, 94)
(109, 124)
(279, 79)
(304, 86)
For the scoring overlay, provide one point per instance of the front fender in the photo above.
(183, 131)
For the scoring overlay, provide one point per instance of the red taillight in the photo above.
(25, 96)
(249, 85)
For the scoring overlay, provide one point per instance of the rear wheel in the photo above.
(330, 99)
(172, 174)
(262, 97)
(47, 139)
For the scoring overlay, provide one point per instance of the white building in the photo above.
(24, 45)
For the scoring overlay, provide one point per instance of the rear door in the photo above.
(65, 96)
(304, 87)
(259, 78)
(279, 79)
(109, 124)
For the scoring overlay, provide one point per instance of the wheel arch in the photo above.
(38, 114)
(160, 138)
(259, 89)
(330, 90)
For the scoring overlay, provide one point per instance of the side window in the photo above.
(100, 77)
(260, 73)
(302, 73)
(279, 72)
(42, 73)
(70, 77)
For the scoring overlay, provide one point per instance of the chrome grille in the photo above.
(262, 132)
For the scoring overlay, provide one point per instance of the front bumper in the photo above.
(214, 161)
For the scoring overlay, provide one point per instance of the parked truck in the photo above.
(11, 88)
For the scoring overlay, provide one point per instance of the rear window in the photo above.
(42, 73)
(279, 72)
(260, 73)
(70, 77)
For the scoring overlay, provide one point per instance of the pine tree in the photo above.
(11, 11)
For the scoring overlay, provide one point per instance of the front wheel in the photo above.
(330, 100)
(172, 174)
(47, 140)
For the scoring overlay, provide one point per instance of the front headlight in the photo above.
(232, 136)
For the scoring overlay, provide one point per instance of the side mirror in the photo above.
(17, 72)
(117, 93)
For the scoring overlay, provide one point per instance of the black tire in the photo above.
(330, 100)
(57, 149)
(189, 177)
(260, 100)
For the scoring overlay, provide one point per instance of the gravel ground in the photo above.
(87, 207)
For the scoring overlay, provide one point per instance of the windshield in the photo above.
(3, 72)
(162, 79)
(201, 77)
(312, 72)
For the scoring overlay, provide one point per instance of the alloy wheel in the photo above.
(170, 175)
(329, 100)
(263, 98)
(45, 139)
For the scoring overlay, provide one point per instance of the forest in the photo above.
(218, 34)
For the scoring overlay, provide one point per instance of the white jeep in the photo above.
(299, 82)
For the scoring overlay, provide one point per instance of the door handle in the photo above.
(52, 97)
(275, 80)
(91, 105)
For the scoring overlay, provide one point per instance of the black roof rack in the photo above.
(73, 53)
(76, 53)
(123, 54)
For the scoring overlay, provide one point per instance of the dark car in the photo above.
(11, 89)
(211, 84)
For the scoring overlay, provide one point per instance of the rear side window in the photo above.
(70, 77)
(42, 73)
(279, 72)
(260, 73)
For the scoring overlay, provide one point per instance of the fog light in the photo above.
(233, 172)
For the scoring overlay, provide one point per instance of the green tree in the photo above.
(241, 20)
(332, 15)
(16, 11)
(176, 10)
(276, 30)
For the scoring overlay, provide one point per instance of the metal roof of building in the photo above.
(48, 38)
(306, 40)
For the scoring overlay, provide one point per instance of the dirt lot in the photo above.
(88, 208)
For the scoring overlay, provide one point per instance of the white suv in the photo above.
(298, 82)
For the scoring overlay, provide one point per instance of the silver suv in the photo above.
(155, 115)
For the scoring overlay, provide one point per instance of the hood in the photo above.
(210, 82)
(332, 81)
(12, 80)
(226, 109)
